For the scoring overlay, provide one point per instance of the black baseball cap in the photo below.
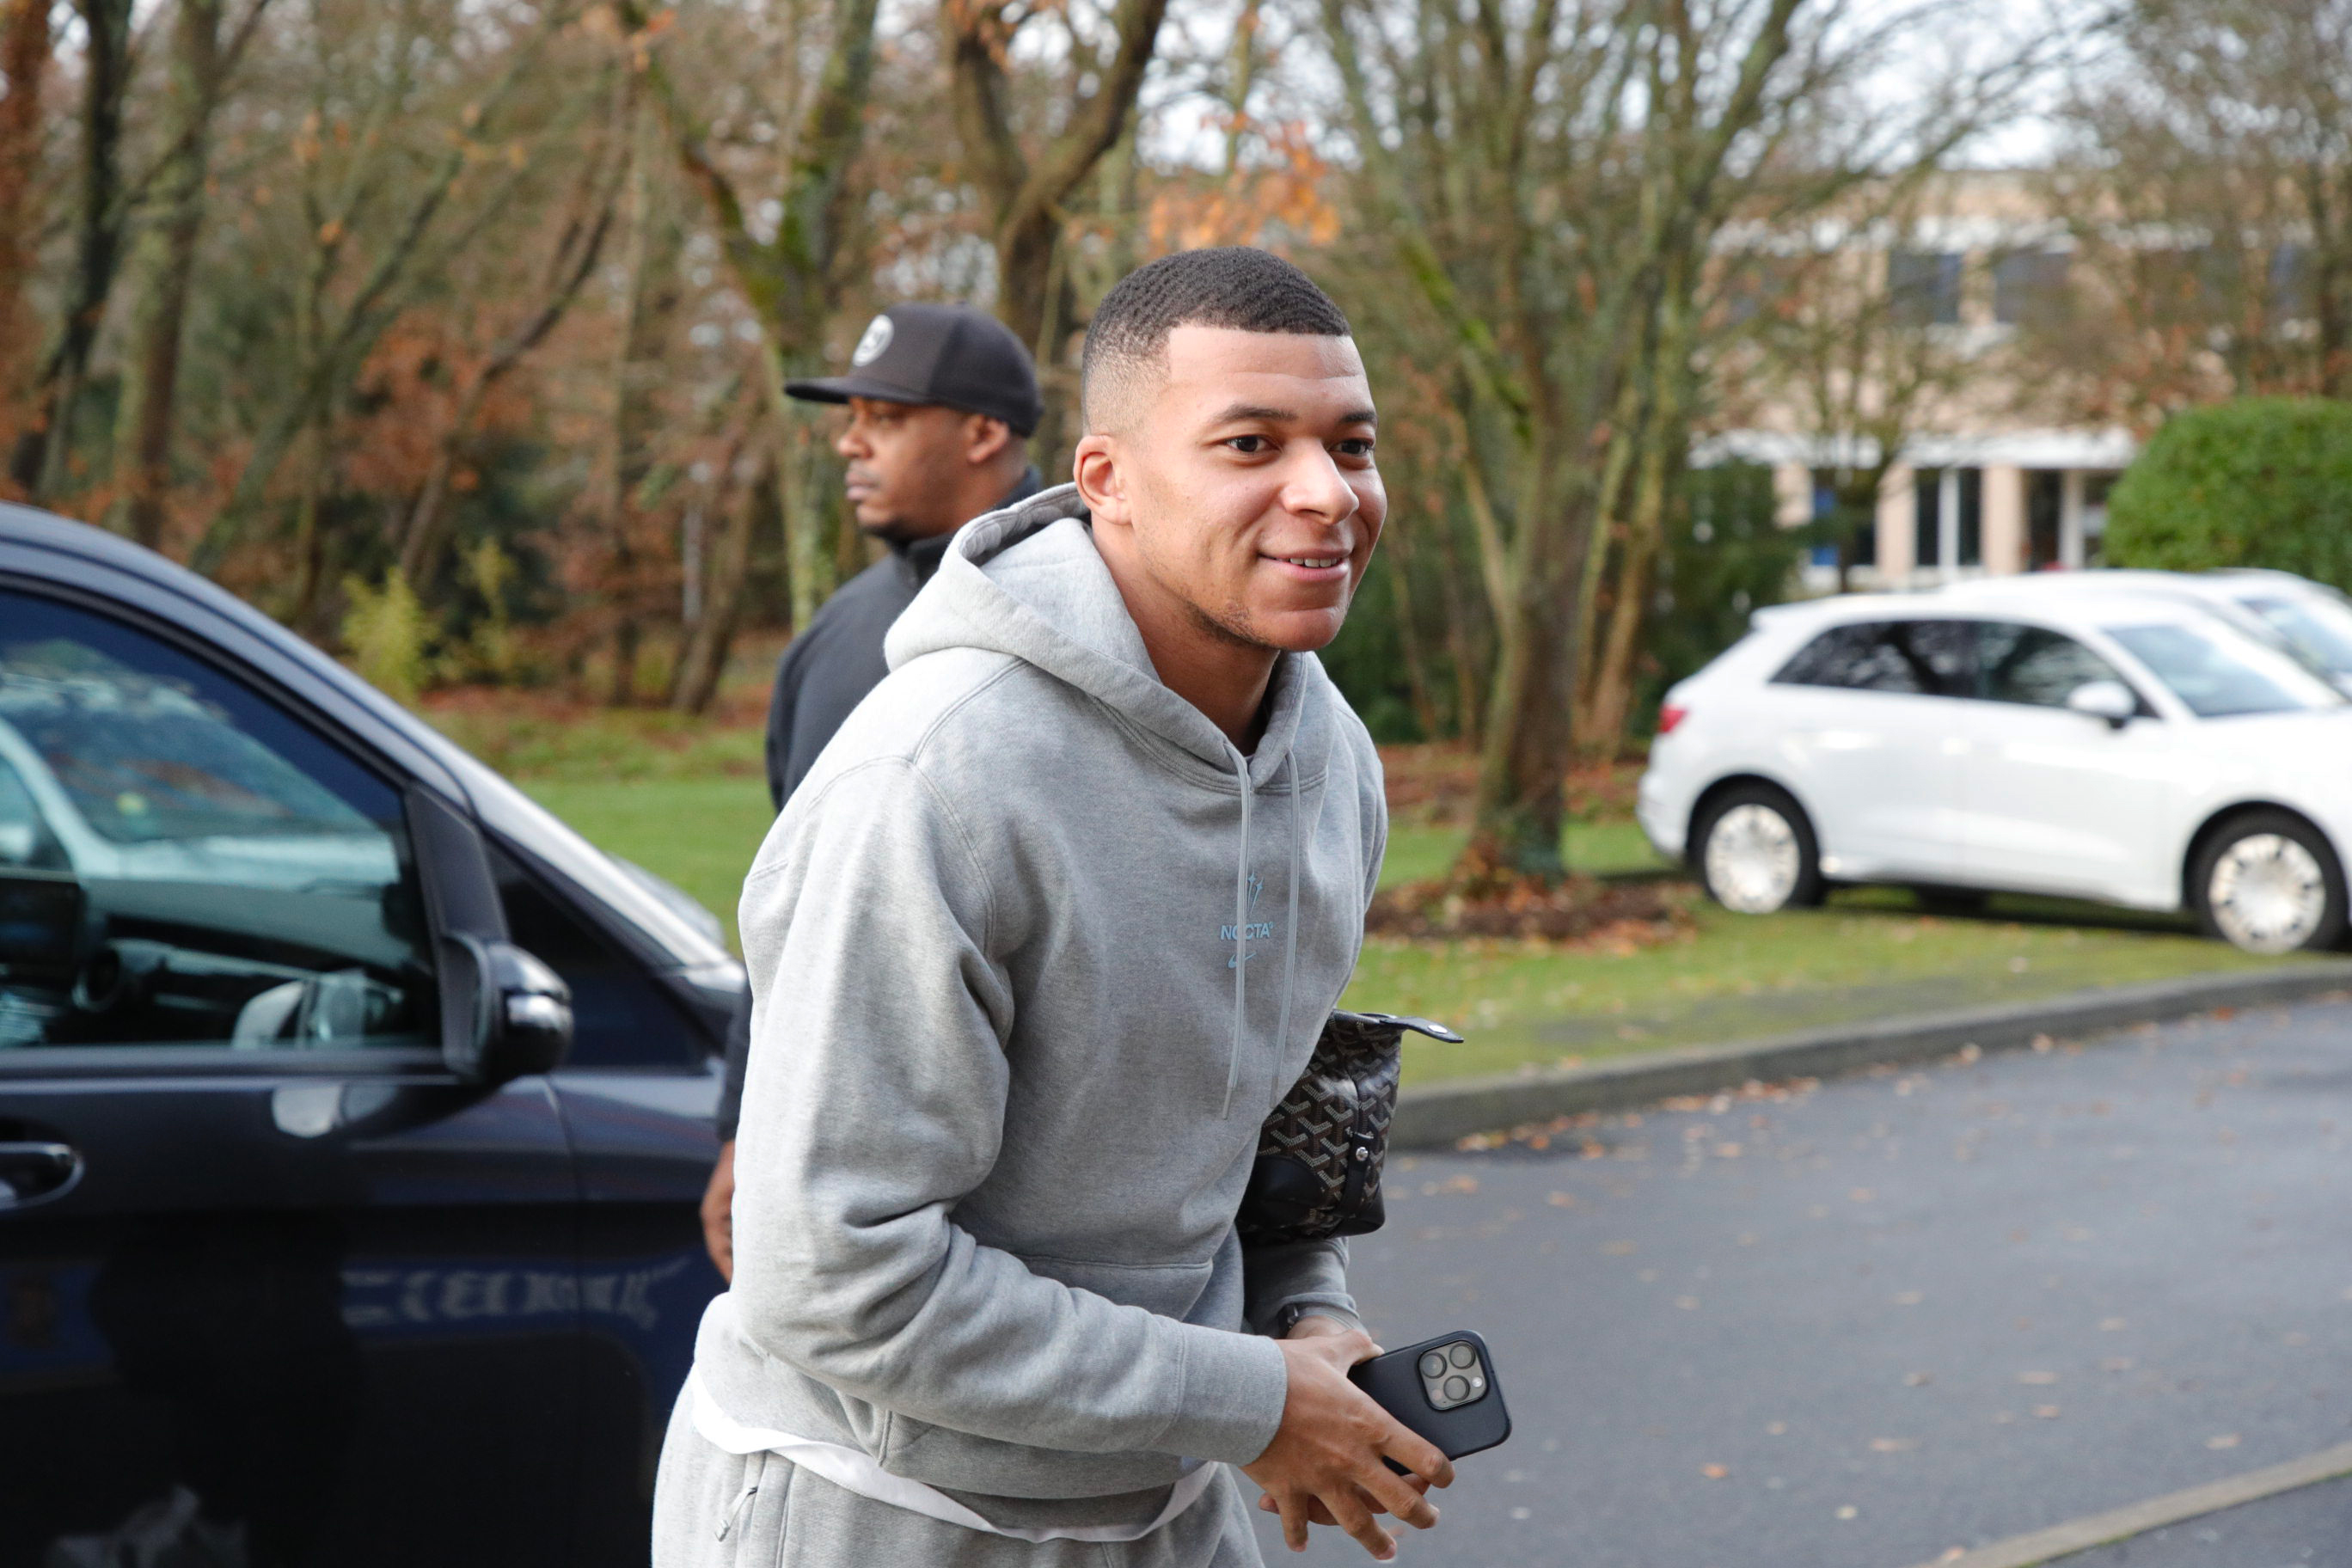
(947, 354)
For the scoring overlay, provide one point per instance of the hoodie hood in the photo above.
(1028, 582)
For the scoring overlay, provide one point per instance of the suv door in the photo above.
(2063, 802)
(278, 1285)
(1875, 747)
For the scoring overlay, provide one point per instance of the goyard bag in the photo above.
(1319, 1155)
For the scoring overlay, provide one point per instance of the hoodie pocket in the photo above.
(944, 1457)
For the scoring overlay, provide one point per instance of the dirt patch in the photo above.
(1580, 912)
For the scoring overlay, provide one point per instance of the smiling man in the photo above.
(1035, 947)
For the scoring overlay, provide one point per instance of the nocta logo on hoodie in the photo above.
(1256, 931)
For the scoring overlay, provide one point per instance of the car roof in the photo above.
(1985, 601)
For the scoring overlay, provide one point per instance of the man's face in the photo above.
(1247, 484)
(907, 464)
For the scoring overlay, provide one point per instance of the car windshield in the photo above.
(2220, 674)
(144, 759)
(2320, 633)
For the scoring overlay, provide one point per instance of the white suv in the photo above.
(2135, 750)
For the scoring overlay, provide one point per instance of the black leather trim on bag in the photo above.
(1320, 1154)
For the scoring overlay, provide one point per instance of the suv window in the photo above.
(1931, 659)
(184, 863)
(2036, 666)
(622, 1015)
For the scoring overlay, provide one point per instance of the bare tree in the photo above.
(164, 259)
(1028, 182)
(38, 460)
(24, 45)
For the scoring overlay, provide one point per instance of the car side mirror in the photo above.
(504, 1014)
(509, 1014)
(2110, 701)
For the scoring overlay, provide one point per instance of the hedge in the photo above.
(2263, 482)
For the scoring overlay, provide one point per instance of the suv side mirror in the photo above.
(2111, 700)
(518, 1010)
(504, 1014)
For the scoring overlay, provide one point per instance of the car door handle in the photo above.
(35, 1171)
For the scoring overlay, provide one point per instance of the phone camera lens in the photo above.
(1458, 1388)
(1433, 1364)
(1461, 1355)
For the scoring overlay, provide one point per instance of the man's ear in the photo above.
(1101, 483)
(984, 438)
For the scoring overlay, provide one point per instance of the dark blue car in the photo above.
(353, 1110)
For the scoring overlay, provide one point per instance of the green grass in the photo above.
(700, 833)
(687, 801)
(1869, 953)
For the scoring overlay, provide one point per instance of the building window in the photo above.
(1925, 286)
(2046, 508)
(1949, 506)
(2029, 286)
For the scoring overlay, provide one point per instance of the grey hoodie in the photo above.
(1030, 967)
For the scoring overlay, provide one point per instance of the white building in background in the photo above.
(1982, 489)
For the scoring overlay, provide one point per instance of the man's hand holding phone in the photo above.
(1324, 1466)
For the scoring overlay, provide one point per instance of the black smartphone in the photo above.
(1444, 1389)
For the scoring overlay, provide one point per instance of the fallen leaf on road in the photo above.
(2037, 1379)
(1747, 1238)
(1917, 1379)
(1848, 1511)
(2110, 1325)
(2046, 1412)
(2003, 1417)
(1862, 1195)
(1892, 1445)
(1910, 1297)
(1460, 1184)
(1687, 1303)
(1713, 1472)
(1726, 1150)
(1617, 1248)
(1953, 1554)
(1821, 1211)
(1777, 1429)
(2116, 1363)
(2228, 1440)
(1561, 1200)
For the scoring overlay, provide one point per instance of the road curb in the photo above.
(1437, 1115)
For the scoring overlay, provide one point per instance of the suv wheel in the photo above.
(2268, 882)
(1756, 852)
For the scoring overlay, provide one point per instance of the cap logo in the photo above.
(876, 338)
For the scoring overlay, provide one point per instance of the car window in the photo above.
(2319, 633)
(1932, 659)
(181, 862)
(2220, 674)
(2035, 666)
(622, 1015)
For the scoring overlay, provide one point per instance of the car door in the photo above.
(638, 1093)
(2063, 802)
(1867, 722)
(279, 1285)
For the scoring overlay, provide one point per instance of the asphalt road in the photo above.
(1858, 1326)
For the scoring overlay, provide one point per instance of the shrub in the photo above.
(2263, 482)
(386, 631)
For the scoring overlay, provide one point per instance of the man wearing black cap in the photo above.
(941, 398)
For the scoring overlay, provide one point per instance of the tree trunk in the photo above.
(1524, 762)
(703, 658)
(25, 62)
(38, 463)
(163, 261)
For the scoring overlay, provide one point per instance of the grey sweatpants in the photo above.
(792, 1518)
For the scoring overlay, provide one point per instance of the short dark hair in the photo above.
(1234, 286)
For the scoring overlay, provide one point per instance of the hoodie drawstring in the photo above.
(1240, 928)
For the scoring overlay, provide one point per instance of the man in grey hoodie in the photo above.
(1035, 947)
